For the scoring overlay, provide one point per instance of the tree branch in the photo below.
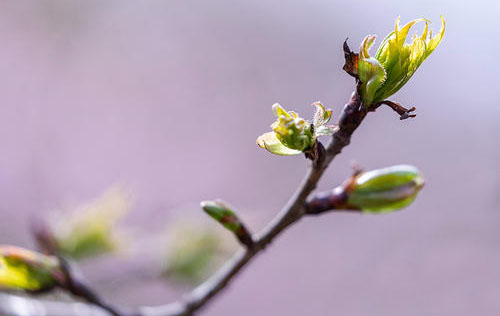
(352, 116)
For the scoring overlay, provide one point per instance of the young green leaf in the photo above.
(292, 135)
(395, 61)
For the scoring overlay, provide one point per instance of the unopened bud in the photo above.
(22, 269)
(377, 191)
(227, 218)
(385, 190)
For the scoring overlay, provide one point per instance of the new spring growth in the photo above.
(292, 134)
(219, 211)
(22, 269)
(394, 62)
(377, 191)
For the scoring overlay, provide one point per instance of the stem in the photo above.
(352, 116)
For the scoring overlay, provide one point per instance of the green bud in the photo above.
(395, 61)
(292, 134)
(22, 269)
(385, 190)
(292, 131)
(219, 211)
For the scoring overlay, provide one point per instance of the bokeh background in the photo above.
(166, 98)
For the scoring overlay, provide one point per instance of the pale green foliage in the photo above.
(321, 118)
(385, 190)
(395, 61)
(292, 134)
(291, 130)
(371, 73)
(90, 229)
(194, 250)
(271, 143)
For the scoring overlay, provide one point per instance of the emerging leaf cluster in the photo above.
(395, 61)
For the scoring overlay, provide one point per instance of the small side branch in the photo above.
(403, 112)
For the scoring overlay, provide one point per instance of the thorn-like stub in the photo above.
(403, 112)
(407, 114)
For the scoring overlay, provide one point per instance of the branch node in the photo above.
(316, 154)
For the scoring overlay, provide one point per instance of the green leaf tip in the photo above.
(385, 190)
(26, 270)
(192, 252)
(395, 61)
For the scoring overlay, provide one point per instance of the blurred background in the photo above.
(156, 105)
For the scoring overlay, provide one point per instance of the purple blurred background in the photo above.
(168, 97)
